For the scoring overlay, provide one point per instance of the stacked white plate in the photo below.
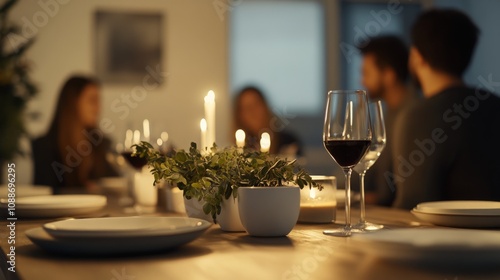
(467, 214)
(433, 246)
(26, 190)
(117, 235)
(52, 206)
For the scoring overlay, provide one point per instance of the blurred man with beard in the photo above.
(447, 146)
(384, 75)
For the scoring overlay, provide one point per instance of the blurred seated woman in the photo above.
(253, 116)
(72, 154)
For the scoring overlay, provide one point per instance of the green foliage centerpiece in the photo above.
(216, 175)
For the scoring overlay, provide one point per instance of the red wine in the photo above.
(136, 162)
(347, 153)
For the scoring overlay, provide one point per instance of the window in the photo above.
(279, 47)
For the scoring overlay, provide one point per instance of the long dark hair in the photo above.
(68, 130)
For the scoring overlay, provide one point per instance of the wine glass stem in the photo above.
(348, 172)
(362, 218)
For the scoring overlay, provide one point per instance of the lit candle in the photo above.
(137, 137)
(240, 138)
(265, 142)
(145, 129)
(203, 127)
(129, 138)
(210, 117)
(318, 206)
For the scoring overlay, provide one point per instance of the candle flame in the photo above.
(137, 137)
(203, 125)
(265, 142)
(240, 135)
(312, 193)
(210, 98)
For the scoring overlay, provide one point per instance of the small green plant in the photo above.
(217, 175)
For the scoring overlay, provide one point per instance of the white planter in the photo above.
(269, 211)
(228, 220)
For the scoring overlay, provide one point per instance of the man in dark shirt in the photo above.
(384, 75)
(447, 144)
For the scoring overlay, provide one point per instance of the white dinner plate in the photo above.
(432, 245)
(462, 221)
(121, 227)
(461, 207)
(26, 190)
(114, 184)
(51, 206)
(184, 230)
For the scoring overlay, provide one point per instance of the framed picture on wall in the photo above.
(127, 45)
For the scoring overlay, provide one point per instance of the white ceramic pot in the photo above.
(269, 211)
(229, 218)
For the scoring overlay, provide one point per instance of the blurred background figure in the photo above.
(447, 146)
(384, 74)
(253, 115)
(73, 152)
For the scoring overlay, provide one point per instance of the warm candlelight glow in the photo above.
(210, 118)
(159, 142)
(265, 142)
(203, 127)
(240, 138)
(145, 129)
(312, 193)
(164, 136)
(210, 97)
(129, 138)
(137, 137)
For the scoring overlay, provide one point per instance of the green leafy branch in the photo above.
(217, 175)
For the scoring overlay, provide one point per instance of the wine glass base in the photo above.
(342, 232)
(338, 233)
(366, 226)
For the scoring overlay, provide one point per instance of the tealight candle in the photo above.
(318, 206)
(265, 142)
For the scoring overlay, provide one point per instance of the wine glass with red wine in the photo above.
(347, 136)
(133, 137)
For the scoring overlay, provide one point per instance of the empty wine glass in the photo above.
(346, 136)
(376, 147)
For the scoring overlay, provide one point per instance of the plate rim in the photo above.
(458, 211)
(97, 201)
(92, 234)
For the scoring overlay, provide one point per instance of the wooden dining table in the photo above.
(305, 253)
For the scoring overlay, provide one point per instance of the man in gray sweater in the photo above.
(446, 145)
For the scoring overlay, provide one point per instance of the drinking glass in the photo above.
(346, 136)
(376, 147)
